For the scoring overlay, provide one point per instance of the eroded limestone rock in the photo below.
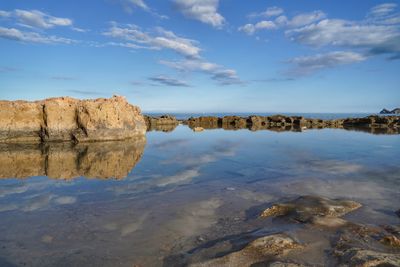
(69, 119)
(368, 258)
(260, 250)
(165, 123)
(311, 209)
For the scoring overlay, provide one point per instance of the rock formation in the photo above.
(165, 123)
(372, 124)
(69, 119)
(311, 209)
(67, 160)
(393, 111)
(257, 251)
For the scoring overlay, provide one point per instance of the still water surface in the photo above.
(183, 192)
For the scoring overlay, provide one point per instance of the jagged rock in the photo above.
(311, 209)
(66, 119)
(285, 264)
(165, 123)
(260, 250)
(368, 258)
(280, 123)
(233, 122)
(67, 160)
(208, 122)
(386, 111)
(391, 240)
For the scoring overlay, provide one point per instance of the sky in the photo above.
(205, 55)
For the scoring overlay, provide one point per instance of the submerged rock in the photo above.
(260, 250)
(368, 258)
(66, 119)
(391, 240)
(311, 209)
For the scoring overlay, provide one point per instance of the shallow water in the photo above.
(184, 193)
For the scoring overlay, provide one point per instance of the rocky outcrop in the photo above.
(258, 251)
(165, 123)
(207, 122)
(311, 209)
(393, 111)
(69, 119)
(67, 160)
(279, 123)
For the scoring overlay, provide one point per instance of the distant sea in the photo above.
(325, 116)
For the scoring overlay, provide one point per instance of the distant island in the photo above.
(386, 111)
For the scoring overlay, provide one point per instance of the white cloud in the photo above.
(383, 9)
(262, 25)
(309, 64)
(205, 11)
(270, 12)
(32, 37)
(161, 39)
(129, 5)
(166, 80)
(344, 33)
(139, 3)
(4, 14)
(282, 21)
(38, 19)
(306, 18)
(221, 75)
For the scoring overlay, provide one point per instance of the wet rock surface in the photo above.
(260, 250)
(372, 124)
(342, 243)
(113, 159)
(312, 209)
(164, 123)
(69, 119)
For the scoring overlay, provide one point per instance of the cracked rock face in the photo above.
(66, 119)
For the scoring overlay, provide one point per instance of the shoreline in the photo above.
(373, 124)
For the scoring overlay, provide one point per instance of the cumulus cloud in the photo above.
(160, 39)
(134, 37)
(169, 81)
(281, 21)
(221, 75)
(32, 37)
(306, 65)
(252, 28)
(205, 11)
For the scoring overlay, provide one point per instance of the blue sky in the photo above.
(205, 55)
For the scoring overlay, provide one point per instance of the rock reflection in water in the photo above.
(68, 160)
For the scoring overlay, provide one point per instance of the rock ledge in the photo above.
(69, 119)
